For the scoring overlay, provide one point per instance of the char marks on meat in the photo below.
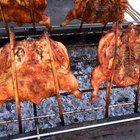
(97, 11)
(34, 71)
(127, 62)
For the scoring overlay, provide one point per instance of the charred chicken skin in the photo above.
(34, 70)
(97, 11)
(127, 62)
(25, 11)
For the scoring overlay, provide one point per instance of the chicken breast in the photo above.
(34, 71)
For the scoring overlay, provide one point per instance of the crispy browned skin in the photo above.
(127, 62)
(20, 11)
(97, 11)
(34, 71)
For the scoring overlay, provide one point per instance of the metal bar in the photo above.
(69, 112)
(4, 20)
(130, 14)
(81, 45)
(83, 91)
(80, 128)
(132, 10)
(36, 120)
(73, 26)
(109, 84)
(58, 96)
(89, 27)
(14, 78)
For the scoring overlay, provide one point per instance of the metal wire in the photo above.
(66, 113)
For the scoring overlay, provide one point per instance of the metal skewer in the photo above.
(55, 81)
(4, 20)
(109, 84)
(14, 78)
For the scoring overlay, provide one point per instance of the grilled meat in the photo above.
(25, 11)
(97, 11)
(127, 62)
(34, 70)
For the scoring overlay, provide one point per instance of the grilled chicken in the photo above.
(25, 11)
(127, 62)
(34, 70)
(97, 11)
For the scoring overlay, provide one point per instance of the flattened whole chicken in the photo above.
(97, 11)
(19, 11)
(34, 71)
(127, 62)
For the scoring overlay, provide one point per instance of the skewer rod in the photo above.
(56, 82)
(109, 84)
(14, 79)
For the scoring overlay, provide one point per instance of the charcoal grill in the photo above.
(71, 37)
